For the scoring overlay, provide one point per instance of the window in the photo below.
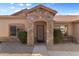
(63, 28)
(12, 30)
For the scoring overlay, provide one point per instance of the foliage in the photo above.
(58, 36)
(22, 35)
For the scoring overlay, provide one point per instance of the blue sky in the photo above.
(61, 8)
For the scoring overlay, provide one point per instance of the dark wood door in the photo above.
(40, 33)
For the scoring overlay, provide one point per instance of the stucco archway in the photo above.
(40, 32)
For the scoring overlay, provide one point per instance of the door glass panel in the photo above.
(40, 33)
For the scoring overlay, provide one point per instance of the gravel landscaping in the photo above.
(15, 47)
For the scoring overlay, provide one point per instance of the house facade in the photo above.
(39, 22)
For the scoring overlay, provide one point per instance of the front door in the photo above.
(40, 33)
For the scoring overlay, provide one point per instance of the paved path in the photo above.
(40, 50)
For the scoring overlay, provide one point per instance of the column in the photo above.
(49, 35)
(30, 40)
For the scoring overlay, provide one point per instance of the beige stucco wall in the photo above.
(5, 23)
(76, 31)
(70, 29)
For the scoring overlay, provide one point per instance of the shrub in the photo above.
(58, 36)
(22, 35)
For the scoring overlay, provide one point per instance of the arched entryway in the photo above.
(40, 28)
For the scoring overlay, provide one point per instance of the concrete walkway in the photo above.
(40, 50)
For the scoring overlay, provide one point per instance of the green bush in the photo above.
(22, 35)
(58, 36)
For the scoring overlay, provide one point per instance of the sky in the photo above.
(61, 8)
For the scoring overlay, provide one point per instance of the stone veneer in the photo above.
(40, 15)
